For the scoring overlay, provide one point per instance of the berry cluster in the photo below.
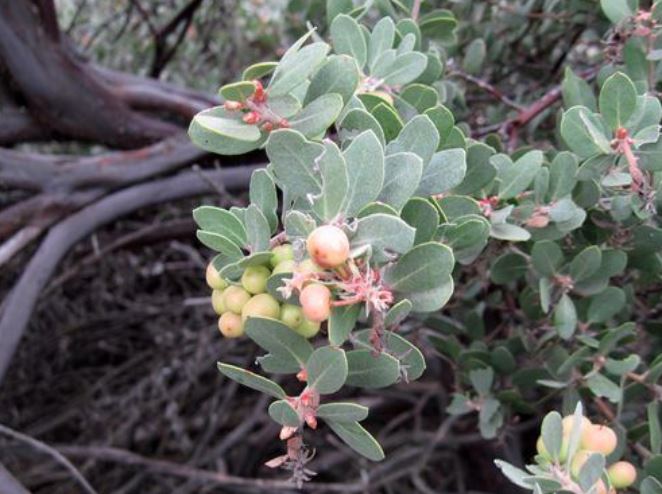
(593, 439)
(235, 302)
(328, 278)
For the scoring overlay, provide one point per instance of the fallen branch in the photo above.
(53, 453)
(9, 484)
(19, 304)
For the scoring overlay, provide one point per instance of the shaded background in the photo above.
(116, 366)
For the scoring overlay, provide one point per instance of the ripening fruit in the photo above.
(262, 305)
(254, 279)
(308, 328)
(217, 302)
(601, 488)
(622, 474)
(214, 280)
(308, 266)
(235, 297)
(568, 422)
(231, 325)
(328, 246)
(291, 315)
(599, 438)
(563, 454)
(285, 267)
(578, 461)
(281, 253)
(316, 302)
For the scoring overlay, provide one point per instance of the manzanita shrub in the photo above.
(376, 203)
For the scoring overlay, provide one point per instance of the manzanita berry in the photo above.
(601, 488)
(315, 300)
(235, 297)
(262, 305)
(307, 328)
(281, 253)
(569, 421)
(254, 279)
(308, 266)
(217, 302)
(291, 315)
(214, 279)
(231, 325)
(285, 267)
(622, 474)
(599, 438)
(328, 246)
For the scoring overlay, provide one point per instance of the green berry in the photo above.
(308, 328)
(291, 315)
(262, 305)
(309, 266)
(214, 280)
(254, 279)
(235, 297)
(217, 302)
(285, 267)
(281, 253)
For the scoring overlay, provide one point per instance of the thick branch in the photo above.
(62, 93)
(9, 484)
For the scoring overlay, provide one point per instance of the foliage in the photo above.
(362, 129)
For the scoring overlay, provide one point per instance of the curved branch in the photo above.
(9, 484)
(53, 453)
(19, 304)
(61, 93)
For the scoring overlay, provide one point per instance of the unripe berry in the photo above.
(291, 315)
(622, 474)
(569, 421)
(328, 246)
(307, 328)
(254, 279)
(262, 305)
(285, 267)
(578, 461)
(214, 280)
(281, 253)
(231, 325)
(316, 302)
(601, 488)
(308, 266)
(235, 297)
(599, 438)
(217, 302)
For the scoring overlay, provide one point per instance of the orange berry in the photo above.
(230, 325)
(622, 474)
(316, 302)
(328, 246)
(599, 438)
